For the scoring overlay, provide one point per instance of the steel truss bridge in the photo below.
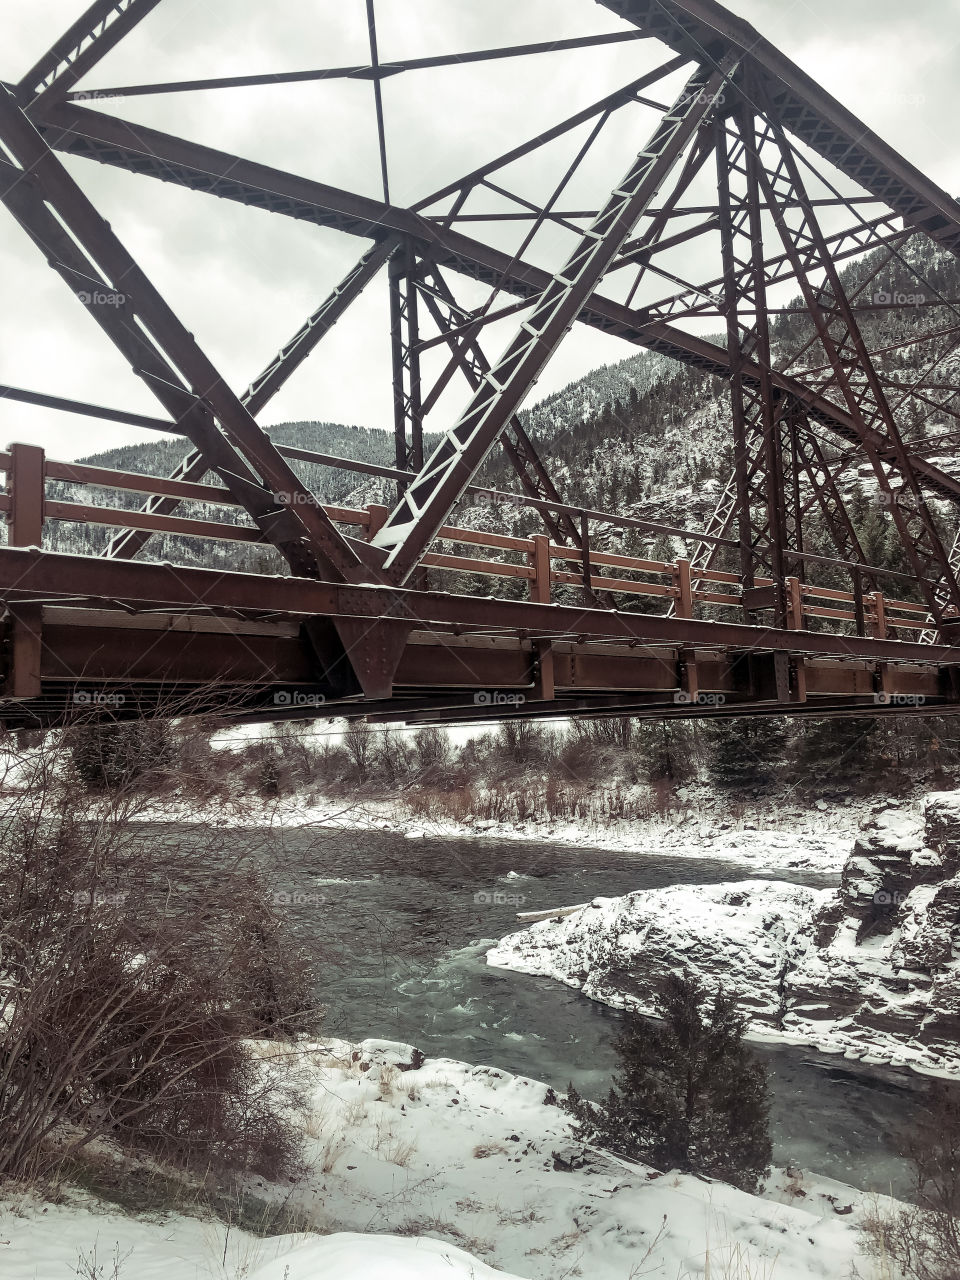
(361, 618)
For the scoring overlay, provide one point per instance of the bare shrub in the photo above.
(522, 741)
(924, 1239)
(134, 965)
(392, 760)
(90, 1268)
(116, 753)
(359, 745)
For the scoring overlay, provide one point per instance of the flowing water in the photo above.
(402, 927)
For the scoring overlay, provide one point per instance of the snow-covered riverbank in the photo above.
(767, 836)
(462, 1171)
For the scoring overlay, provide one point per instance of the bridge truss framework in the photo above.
(742, 624)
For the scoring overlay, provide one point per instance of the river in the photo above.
(402, 927)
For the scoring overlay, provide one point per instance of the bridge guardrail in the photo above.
(27, 507)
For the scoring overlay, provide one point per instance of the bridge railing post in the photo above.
(858, 609)
(683, 585)
(794, 604)
(540, 594)
(27, 489)
(378, 518)
(878, 615)
(540, 562)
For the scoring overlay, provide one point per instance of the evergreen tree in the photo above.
(852, 751)
(743, 753)
(689, 1095)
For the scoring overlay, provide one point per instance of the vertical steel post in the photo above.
(27, 490)
(405, 357)
(741, 445)
(26, 487)
(540, 594)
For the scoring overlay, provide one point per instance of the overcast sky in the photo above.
(243, 281)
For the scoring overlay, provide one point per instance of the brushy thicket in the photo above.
(135, 966)
(601, 769)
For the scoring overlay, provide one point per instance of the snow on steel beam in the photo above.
(424, 507)
(90, 38)
(703, 29)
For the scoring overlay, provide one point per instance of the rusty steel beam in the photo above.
(29, 574)
(611, 102)
(842, 340)
(80, 48)
(405, 347)
(266, 385)
(375, 71)
(519, 448)
(755, 415)
(20, 395)
(703, 29)
(118, 294)
(425, 506)
(875, 233)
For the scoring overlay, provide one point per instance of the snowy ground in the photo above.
(52, 1242)
(460, 1172)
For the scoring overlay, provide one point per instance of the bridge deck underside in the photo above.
(253, 648)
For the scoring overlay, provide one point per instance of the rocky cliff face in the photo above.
(871, 970)
(884, 957)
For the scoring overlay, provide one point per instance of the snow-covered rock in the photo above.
(871, 970)
(618, 950)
